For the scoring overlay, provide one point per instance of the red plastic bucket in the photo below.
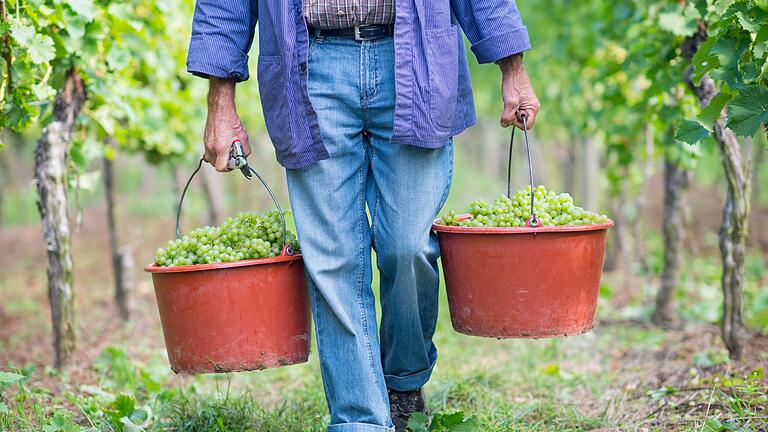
(529, 282)
(235, 316)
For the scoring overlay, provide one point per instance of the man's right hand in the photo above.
(223, 125)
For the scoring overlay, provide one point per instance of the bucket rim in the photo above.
(154, 268)
(437, 226)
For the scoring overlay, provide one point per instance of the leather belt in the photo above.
(359, 33)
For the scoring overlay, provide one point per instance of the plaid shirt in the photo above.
(340, 14)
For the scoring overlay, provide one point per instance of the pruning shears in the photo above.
(237, 159)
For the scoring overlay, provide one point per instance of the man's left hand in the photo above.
(517, 93)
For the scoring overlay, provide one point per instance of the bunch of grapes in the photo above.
(552, 209)
(245, 236)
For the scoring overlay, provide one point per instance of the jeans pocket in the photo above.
(443, 69)
(272, 79)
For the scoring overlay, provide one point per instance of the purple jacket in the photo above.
(434, 94)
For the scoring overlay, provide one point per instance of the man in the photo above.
(361, 99)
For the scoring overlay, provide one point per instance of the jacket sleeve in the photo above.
(222, 34)
(494, 27)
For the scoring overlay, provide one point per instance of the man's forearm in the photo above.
(520, 101)
(512, 65)
(223, 125)
(221, 94)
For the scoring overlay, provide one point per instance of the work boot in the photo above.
(403, 404)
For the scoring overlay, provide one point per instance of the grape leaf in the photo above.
(43, 91)
(748, 110)
(41, 49)
(121, 10)
(75, 25)
(691, 132)
(722, 5)
(417, 422)
(84, 8)
(760, 45)
(712, 111)
(704, 60)
(22, 33)
(77, 156)
(762, 35)
(453, 422)
(10, 377)
(747, 23)
(701, 6)
(130, 426)
(89, 181)
(57, 423)
(679, 20)
(728, 51)
(750, 72)
(122, 406)
(118, 57)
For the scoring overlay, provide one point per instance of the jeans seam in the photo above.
(314, 292)
(363, 70)
(373, 55)
(362, 82)
(447, 188)
(361, 279)
(375, 211)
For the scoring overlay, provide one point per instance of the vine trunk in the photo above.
(676, 179)
(733, 229)
(51, 156)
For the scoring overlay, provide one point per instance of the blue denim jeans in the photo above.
(352, 89)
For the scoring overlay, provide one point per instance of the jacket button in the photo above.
(303, 67)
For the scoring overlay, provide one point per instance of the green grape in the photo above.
(551, 208)
(244, 236)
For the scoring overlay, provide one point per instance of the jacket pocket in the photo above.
(272, 84)
(443, 69)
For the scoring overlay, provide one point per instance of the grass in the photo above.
(224, 412)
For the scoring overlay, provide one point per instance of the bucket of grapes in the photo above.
(233, 297)
(526, 266)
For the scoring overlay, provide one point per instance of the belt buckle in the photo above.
(358, 37)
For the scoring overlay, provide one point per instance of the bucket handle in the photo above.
(237, 160)
(533, 221)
